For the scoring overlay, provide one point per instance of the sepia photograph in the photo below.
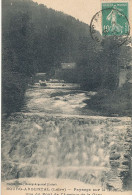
(66, 97)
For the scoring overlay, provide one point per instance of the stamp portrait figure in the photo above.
(115, 27)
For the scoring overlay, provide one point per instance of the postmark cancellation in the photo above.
(111, 20)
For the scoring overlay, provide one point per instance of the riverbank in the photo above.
(14, 86)
(104, 102)
(112, 103)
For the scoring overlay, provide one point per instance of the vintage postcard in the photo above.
(66, 97)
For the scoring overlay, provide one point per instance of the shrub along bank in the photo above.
(113, 103)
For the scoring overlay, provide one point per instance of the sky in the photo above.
(83, 10)
(80, 9)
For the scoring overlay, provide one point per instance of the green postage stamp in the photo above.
(115, 18)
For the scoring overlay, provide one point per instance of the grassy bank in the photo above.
(113, 103)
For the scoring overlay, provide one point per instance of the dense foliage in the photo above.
(38, 39)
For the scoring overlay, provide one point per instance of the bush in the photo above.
(112, 103)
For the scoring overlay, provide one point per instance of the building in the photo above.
(68, 66)
(125, 75)
(67, 72)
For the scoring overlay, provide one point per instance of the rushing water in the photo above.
(56, 98)
(54, 136)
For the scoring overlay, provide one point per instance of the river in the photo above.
(57, 98)
(55, 136)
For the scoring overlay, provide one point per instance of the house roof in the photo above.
(71, 65)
